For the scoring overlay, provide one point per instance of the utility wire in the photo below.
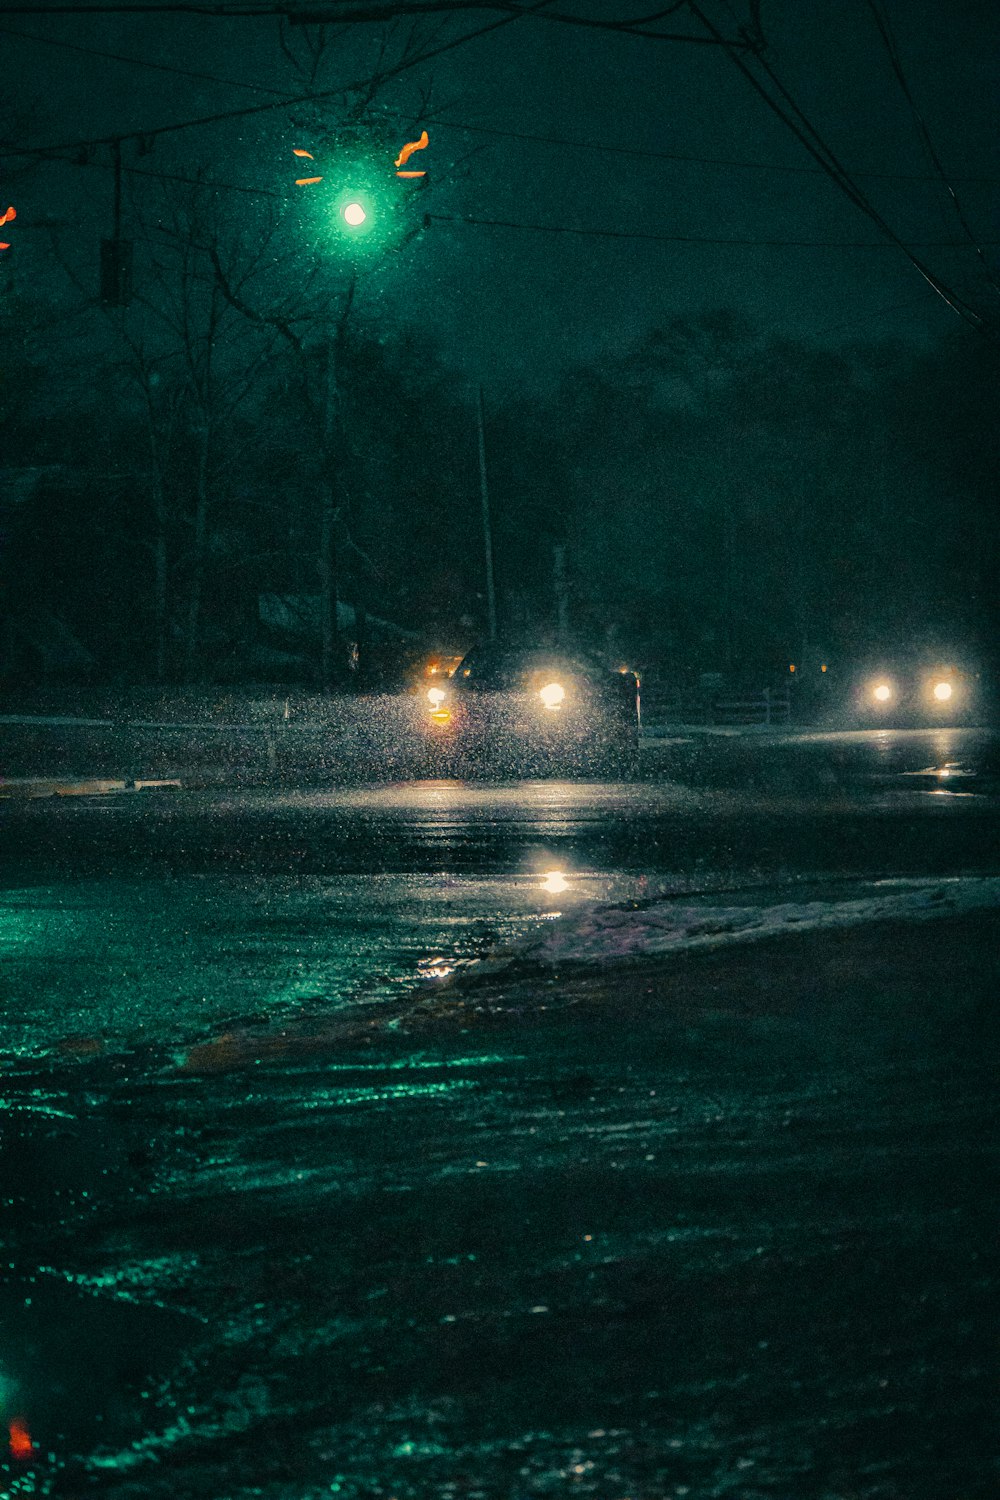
(476, 129)
(806, 133)
(958, 305)
(876, 313)
(830, 167)
(816, 146)
(680, 239)
(565, 142)
(256, 109)
(889, 42)
(136, 62)
(310, 15)
(675, 156)
(214, 184)
(636, 26)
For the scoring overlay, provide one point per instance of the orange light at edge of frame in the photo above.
(21, 1445)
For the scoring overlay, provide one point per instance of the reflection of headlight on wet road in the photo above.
(552, 694)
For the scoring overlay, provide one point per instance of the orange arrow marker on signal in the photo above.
(409, 149)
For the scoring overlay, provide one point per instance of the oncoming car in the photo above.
(531, 711)
(915, 695)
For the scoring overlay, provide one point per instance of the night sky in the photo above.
(516, 304)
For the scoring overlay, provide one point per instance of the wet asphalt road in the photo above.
(157, 916)
(663, 1244)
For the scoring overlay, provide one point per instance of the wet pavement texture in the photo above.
(716, 1225)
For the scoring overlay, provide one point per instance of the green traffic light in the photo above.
(360, 211)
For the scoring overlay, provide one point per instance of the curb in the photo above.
(62, 786)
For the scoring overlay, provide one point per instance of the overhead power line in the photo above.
(889, 42)
(682, 239)
(530, 137)
(795, 120)
(137, 62)
(214, 184)
(349, 12)
(865, 320)
(151, 134)
(677, 156)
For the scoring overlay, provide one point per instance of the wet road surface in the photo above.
(720, 1226)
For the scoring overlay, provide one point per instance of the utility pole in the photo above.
(116, 253)
(484, 495)
(332, 664)
(329, 633)
(561, 592)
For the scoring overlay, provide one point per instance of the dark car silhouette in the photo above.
(531, 711)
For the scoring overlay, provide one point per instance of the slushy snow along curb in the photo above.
(606, 933)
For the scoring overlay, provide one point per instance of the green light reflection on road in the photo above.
(338, 1097)
(486, 1060)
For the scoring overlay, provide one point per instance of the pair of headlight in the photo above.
(939, 689)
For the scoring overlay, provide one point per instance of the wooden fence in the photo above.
(768, 706)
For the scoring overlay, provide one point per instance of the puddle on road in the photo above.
(148, 962)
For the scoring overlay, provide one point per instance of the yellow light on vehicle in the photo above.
(882, 692)
(441, 716)
(552, 694)
(436, 696)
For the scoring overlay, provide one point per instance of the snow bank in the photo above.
(665, 925)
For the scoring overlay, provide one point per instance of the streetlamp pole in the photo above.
(331, 662)
(484, 496)
(327, 538)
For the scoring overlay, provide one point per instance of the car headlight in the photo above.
(552, 694)
(882, 692)
(436, 696)
(942, 691)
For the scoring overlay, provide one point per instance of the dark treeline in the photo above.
(734, 501)
(728, 500)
